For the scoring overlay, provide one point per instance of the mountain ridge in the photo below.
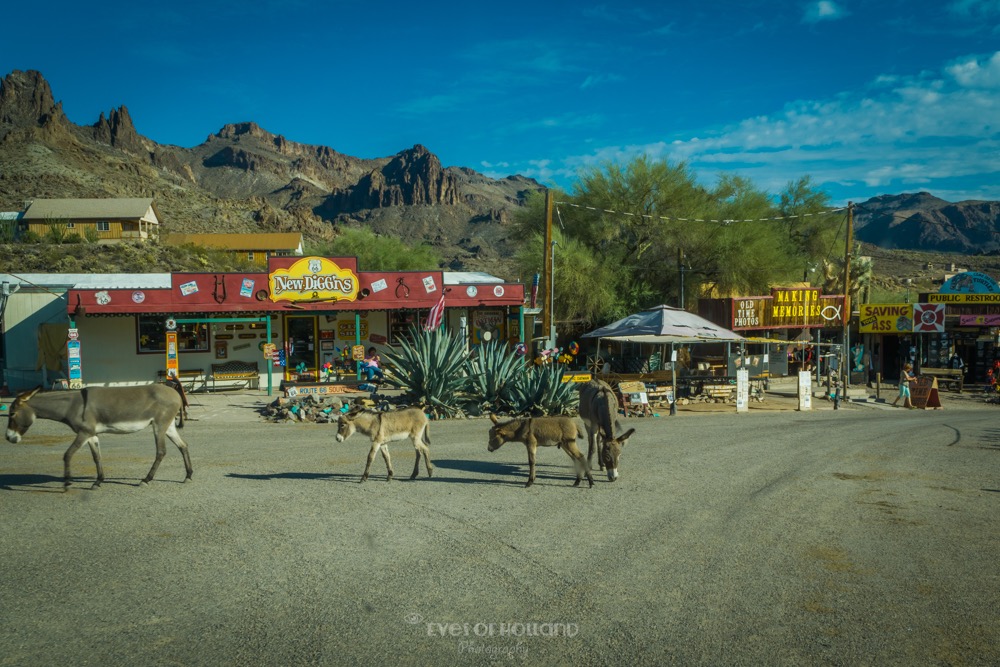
(244, 178)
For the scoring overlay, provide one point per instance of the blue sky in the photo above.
(866, 97)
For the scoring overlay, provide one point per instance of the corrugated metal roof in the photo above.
(79, 209)
(263, 241)
(89, 280)
(468, 277)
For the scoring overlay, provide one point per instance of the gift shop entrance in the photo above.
(301, 350)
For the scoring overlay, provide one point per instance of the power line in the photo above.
(678, 219)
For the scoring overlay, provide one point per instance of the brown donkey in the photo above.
(537, 432)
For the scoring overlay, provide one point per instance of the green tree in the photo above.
(377, 253)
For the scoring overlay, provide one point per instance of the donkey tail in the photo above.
(179, 388)
(426, 437)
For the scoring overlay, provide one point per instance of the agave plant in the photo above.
(429, 367)
(542, 391)
(493, 371)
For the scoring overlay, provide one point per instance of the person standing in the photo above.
(905, 378)
(957, 363)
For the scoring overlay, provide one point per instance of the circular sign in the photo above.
(138, 296)
(498, 291)
(171, 324)
(471, 290)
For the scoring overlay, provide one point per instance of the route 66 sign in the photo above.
(171, 324)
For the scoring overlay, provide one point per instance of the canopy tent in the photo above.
(665, 324)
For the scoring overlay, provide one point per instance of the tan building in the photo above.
(253, 248)
(103, 220)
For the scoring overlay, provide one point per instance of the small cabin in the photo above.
(101, 221)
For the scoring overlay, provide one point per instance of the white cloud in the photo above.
(903, 132)
(598, 79)
(824, 10)
(975, 8)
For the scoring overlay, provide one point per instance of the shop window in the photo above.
(151, 335)
(400, 322)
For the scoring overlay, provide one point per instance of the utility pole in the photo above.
(547, 273)
(845, 354)
(680, 269)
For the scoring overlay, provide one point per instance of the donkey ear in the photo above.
(625, 436)
(24, 396)
(494, 419)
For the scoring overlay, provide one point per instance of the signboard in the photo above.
(313, 279)
(358, 352)
(979, 320)
(928, 317)
(75, 364)
(924, 393)
(805, 390)
(891, 318)
(576, 377)
(788, 308)
(742, 390)
(963, 298)
(970, 282)
(172, 363)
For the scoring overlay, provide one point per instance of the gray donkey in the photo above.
(537, 432)
(599, 412)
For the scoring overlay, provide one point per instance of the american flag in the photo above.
(436, 315)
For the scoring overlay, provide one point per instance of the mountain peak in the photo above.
(26, 99)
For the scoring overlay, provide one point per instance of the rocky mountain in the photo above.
(921, 221)
(245, 179)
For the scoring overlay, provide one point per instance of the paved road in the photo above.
(863, 536)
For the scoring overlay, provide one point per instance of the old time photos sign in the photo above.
(788, 308)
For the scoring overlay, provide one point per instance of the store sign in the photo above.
(979, 320)
(970, 282)
(788, 308)
(963, 298)
(313, 278)
(928, 318)
(889, 318)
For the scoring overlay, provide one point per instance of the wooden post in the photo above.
(547, 270)
(845, 353)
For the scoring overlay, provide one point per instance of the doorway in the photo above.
(300, 346)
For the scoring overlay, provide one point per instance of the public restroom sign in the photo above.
(313, 279)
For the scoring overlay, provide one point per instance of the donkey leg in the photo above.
(95, 451)
(175, 437)
(388, 462)
(416, 463)
(371, 457)
(425, 442)
(531, 464)
(579, 462)
(68, 456)
(161, 451)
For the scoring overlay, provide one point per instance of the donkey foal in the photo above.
(383, 428)
(537, 432)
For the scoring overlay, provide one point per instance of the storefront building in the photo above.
(801, 323)
(303, 313)
(963, 317)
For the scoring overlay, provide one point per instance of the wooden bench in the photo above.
(190, 378)
(243, 374)
(953, 376)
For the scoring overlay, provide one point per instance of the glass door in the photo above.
(300, 348)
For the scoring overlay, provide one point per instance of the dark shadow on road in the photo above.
(292, 475)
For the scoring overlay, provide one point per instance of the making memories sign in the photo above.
(788, 308)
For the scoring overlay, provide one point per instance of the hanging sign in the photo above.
(928, 317)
